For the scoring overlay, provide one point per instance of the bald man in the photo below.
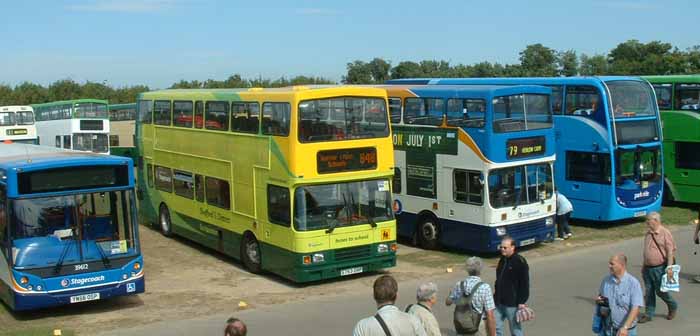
(625, 298)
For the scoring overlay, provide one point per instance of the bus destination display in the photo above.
(341, 160)
(524, 147)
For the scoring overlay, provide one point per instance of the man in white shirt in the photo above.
(389, 320)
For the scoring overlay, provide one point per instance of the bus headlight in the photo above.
(382, 248)
(549, 221)
(24, 280)
(38, 287)
(137, 266)
(501, 231)
(318, 257)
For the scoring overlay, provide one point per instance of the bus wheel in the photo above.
(166, 226)
(428, 233)
(250, 253)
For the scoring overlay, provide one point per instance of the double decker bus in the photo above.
(68, 229)
(80, 124)
(295, 181)
(473, 164)
(608, 142)
(17, 124)
(678, 98)
(122, 125)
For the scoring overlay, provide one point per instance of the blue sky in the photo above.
(159, 42)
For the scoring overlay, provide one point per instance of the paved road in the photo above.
(561, 294)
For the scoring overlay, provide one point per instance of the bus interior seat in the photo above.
(98, 228)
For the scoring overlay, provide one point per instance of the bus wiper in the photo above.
(64, 253)
(105, 260)
(334, 225)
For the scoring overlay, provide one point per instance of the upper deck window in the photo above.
(466, 112)
(161, 112)
(245, 117)
(631, 99)
(521, 112)
(424, 111)
(687, 97)
(217, 115)
(7, 119)
(91, 110)
(663, 96)
(145, 111)
(276, 119)
(583, 101)
(182, 113)
(342, 118)
(24, 118)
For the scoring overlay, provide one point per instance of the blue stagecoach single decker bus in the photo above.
(608, 135)
(68, 229)
(473, 164)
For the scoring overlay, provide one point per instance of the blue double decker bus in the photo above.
(473, 164)
(608, 136)
(68, 228)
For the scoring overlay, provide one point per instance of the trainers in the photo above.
(671, 314)
(644, 319)
(559, 239)
(569, 235)
(697, 279)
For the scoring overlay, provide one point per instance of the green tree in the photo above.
(64, 89)
(29, 93)
(568, 63)
(538, 61)
(635, 58)
(95, 90)
(595, 65)
(359, 72)
(379, 69)
(5, 95)
(406, 69)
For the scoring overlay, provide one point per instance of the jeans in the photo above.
(502, 313)
(652, 288)
(563, 224)
(631, 332)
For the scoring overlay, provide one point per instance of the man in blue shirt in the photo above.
(625, 298)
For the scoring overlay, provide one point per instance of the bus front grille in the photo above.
(356, 252)
(524, 229)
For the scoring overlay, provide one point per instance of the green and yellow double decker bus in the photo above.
(679, 103)
(295, 181)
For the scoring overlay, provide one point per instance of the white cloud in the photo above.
(124, 6)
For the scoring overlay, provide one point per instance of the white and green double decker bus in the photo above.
(295, 181)
(78, 124)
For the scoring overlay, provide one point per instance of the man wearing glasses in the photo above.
(512, 287)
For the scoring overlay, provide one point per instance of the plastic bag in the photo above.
(671, 285)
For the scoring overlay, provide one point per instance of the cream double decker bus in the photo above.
(17, 124)
(295, 181)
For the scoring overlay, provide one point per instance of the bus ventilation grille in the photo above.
(355, 252)
(526, 228)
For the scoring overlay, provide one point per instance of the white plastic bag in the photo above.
(672, 285)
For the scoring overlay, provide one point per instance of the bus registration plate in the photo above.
(527, 242)
(640, 213)
(85, 297)
(349, 271)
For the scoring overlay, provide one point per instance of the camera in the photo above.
(603, 301)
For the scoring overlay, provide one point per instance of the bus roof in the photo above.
(514, 80)
(121, 106)
(673, 79)
(475, 90)
(14, 108)
(290, 90)
(73, 101)
(18, 155)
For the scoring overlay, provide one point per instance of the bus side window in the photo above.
(66, 141)
(199, 188)
(467, 187)
(164, 179)
(276, 119)
(162, 112)
(278, 205)
(58, 141)
(145, 111)
(395, 109)
(396, 183)
(218, 192)
(217, 115)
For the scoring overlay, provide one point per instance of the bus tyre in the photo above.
(250, 254)
(428, 233)
(166, 226)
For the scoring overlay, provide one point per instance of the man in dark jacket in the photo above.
(512, 287)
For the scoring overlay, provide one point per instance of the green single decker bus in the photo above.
(295, 181)
(679, 103)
